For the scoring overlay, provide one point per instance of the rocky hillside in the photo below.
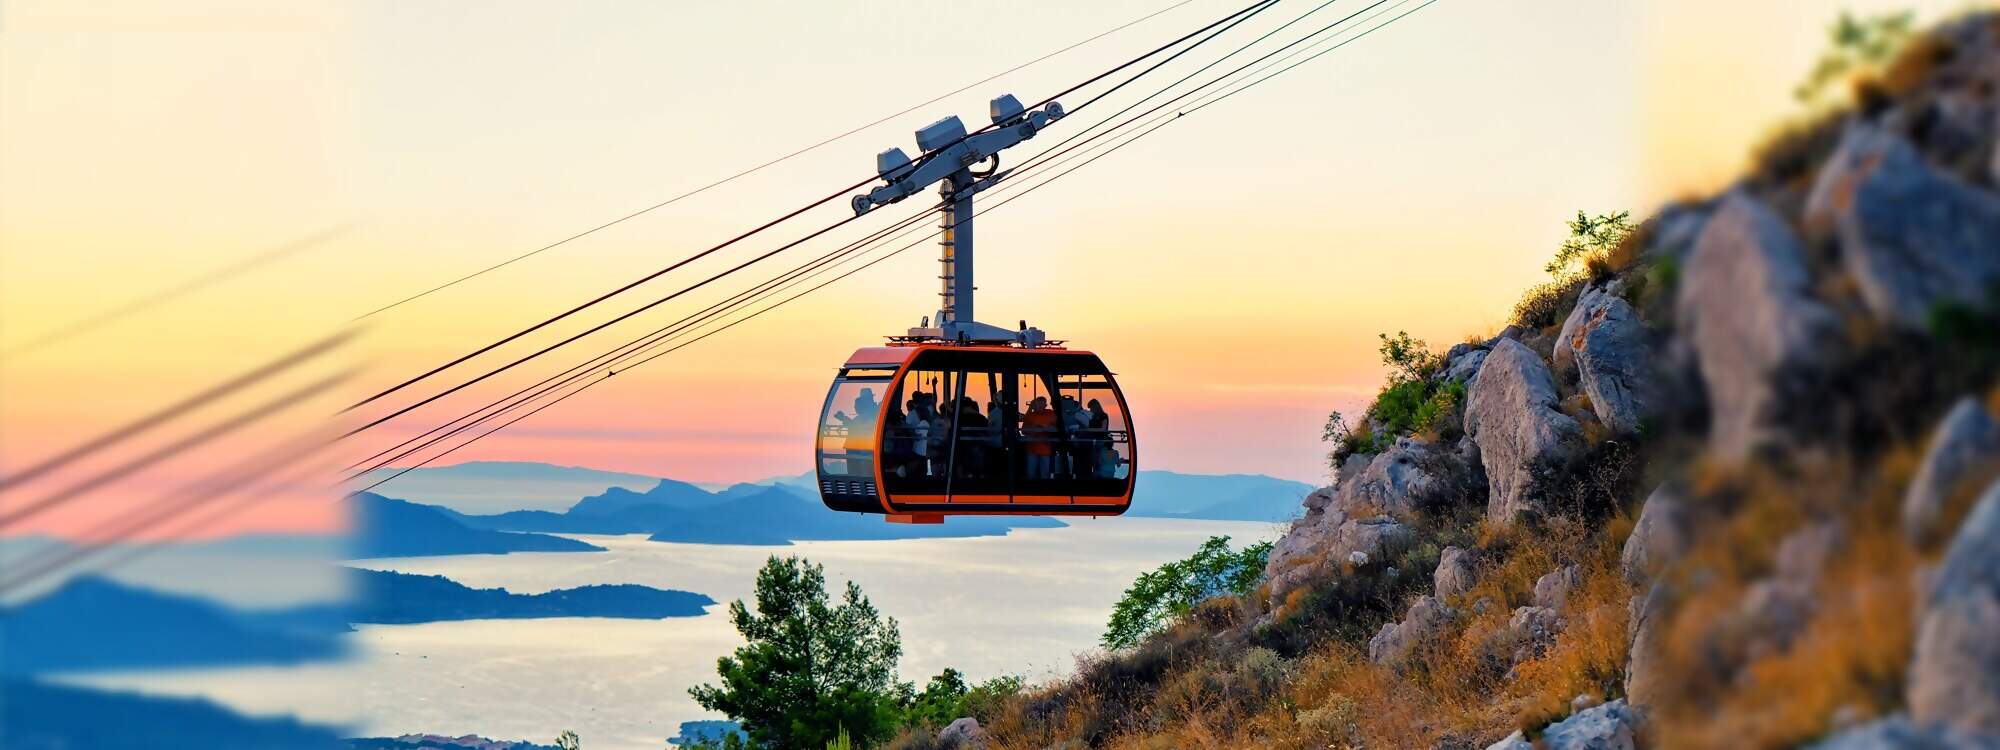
(1734, 484)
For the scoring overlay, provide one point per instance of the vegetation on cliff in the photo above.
(1682, 501)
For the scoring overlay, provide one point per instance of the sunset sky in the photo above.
(1233, 268)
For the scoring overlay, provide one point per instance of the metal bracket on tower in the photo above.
(950, 153)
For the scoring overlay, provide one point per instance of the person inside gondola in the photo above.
(1038, 434)
(860, 443)
(896, 445)
(971, 439)
(1076, 454)
(910, 428)
(1000, 421)
(939, 451)
(1104, 457)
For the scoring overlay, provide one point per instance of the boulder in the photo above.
(1533, 630)
(1912, 238)
(962, 734)
(1612, 726)
(1379, 537)
(1396, 481)
(1675, 229)
(1563, 358)
(1461, 367)
(1777, 608)
(1351, 468)
(1310, 532)
(1803, 554)
(1358, 513)
(1899, 733)
(1393, 643)
(1645, 677)
(1954, 678)
(1456, 573)
(1613, 357)
(1664, 532)
(1745, 305)
(1511, 415)
(1552, 589)
(1966, 440)
(1308, 551)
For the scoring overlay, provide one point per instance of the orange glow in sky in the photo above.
(1234, 268)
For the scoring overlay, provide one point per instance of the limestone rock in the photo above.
(1533, 630)
(1456, 573)
(1613, 357)
(1511, 415)
(1394, 642)
(1777, 608)
(1911, 237)
(962, 734)
(1308, 554)
(1644, 676)
(1967, 439)
(1675, 229)
(1664, 532)
(1745, 305)
(1552, 590)
(1563, 359)
(1612, 726)
(1954, 679)
(1396, 481)
(1461, 367)
(1898, 733)
(1803, 554)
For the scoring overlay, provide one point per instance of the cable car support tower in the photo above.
(953, 155)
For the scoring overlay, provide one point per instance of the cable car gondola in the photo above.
(965, 418)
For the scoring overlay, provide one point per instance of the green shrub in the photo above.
(947, 697)
(1165, 594)
(1856, 47)
(1589, 237)
(1408, 358)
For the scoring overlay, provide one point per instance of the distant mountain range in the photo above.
(246, 572)
(387, 527)
(401, 598)
(440, 742)
(1217, 497)
(488, 487)
(743, 514)
(39, 716)
(497, 488)
(93, 623)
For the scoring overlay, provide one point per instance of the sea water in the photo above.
(1027, 604)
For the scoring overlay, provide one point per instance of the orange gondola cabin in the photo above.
(922, 431)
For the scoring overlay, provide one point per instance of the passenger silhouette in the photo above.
(971, 439)
(1076, 452)
(1038, 434)
(1103, 454)
(859, 447)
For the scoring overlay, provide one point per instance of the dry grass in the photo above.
(1588, 657)
(1855, 643)
(1454, 690)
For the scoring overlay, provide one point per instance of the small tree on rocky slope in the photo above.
(1173, 589)
(810, 669)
